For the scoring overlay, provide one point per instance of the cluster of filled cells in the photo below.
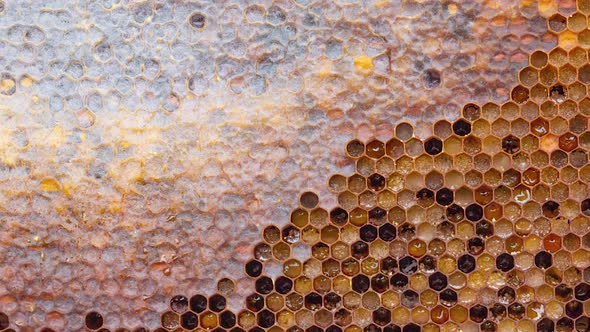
(482, 226)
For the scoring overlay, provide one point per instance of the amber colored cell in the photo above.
(459, 314)
(528, 76)
(531, 176)
(299, 217)
(568, 142)
(520, 94)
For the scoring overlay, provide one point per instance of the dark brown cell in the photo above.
(197, 21)
(399, 281)
(543, 260)
(360, 250)
(516, 311)
(505, 262)
(466, 263)
(377, 216)
(427, 264)
(253, 268)
(484, 229)
(506, 295)
(198, 303)
(338, 216)
(380, 283)
(558, 93)
(431, 78)
(433, 146)
(474, 212)
(332, 301)
(478, 313)
(488, 326)
(388, 265)
(582, 324)
(582, 292)
(342, 317)
(510, 144)
(574, 309)
(448, 297)
(264, 285)
(425, 197)
(445, 197)
(283, 285)
(382, 316)
(585, 206)
(455, 213)
(360, 283)
(475, 246)
(227, 319)
(189, 320)
(461, 127)
(545, 325)
(411, 328)
(550, 209)
(437, 281)
(265, 318)
(93, 320)
(376, 182)
(498, 311)
(313, 301)
(408, 265)
(217, 302)
(254, 302)
(368, 233)
(564, 325)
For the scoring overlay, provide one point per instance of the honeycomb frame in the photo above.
(484, 225)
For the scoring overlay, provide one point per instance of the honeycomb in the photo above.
(133, 130)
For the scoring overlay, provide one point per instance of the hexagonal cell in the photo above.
(375, 149)
(92, 321)
(189, 320)
(355, 149)
(197, 21)
(170, 320)
(179, 304)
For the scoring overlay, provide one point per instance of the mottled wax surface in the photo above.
(144, 144)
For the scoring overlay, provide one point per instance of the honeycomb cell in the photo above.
(198, 303)
(93, 321)
(179, 304)
(189, 321)
(197, 21)
(170, 320)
